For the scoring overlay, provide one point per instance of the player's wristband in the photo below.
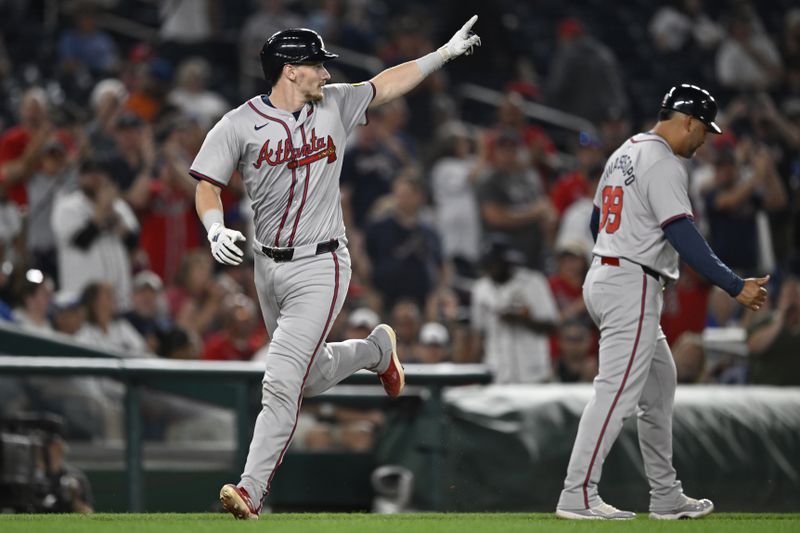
(432, 62)
(211, 217)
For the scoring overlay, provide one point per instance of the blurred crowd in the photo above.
(467, 224)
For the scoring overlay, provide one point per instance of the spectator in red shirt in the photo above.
(576, 184)
(239, 338)
(170, 227)
(685, 305)
(566, 284)
(21, 146)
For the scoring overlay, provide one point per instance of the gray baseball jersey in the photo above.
(643, 188)
(290, 166)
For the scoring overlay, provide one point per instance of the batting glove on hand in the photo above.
(223, 246)
(462, 42)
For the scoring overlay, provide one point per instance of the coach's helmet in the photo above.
(294, 46)
(694, 101)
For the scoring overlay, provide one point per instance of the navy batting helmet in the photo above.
(693, 101)
(291, 47)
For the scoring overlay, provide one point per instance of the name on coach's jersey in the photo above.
(314, 149)
(624, 164)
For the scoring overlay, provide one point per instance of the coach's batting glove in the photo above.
(223, 246)
(462, 42)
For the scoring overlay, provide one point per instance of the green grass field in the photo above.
(406, 523)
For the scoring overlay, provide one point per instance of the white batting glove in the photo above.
(222, 242)
(462, 42)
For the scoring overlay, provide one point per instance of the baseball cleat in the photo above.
(236, 501)
(691, 508)
(600, 511)
(393, 378)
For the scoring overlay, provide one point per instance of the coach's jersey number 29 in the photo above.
(611, 210)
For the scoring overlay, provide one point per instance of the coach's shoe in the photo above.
(599, 511)
(393, 378)
(691, 508)
(236, 501)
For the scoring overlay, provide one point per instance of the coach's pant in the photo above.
(636, 370)
(300, 300)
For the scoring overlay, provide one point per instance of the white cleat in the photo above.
(600, 511)
(691, 508)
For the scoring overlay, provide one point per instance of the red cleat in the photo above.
(236, 501)
(393, 379)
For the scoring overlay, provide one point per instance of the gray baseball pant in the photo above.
(636, 369)
(299, 300)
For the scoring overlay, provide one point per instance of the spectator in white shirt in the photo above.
(95, 229)
(36, 293)
(513, 314)
(102, 328)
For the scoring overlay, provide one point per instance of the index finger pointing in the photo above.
(464, 31)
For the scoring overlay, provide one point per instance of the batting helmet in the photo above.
(291, 47)
(695, 102)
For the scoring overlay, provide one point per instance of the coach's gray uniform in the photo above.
(643, 188)
(290, 168)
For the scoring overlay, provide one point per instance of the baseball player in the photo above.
(288, 147)
(642, 222)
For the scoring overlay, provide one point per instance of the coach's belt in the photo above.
(614, 261)
(283, 255)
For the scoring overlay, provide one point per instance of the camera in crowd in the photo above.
(34, 477)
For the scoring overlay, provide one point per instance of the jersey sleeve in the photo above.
(352, 101)
(667, 191)
(218, 156)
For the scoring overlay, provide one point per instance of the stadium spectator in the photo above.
(55, 176)
(84, 50)
(584, 77)
(107, 101)
(566, 283)
(193, 97)
(147, 309)
(95, 230)
(150, 84)
(37, 292)
(453, 186)
(774, 341)
(747, 59)
(578, 183)
(360, 323)
(240, 336)
(732, 205)
(684, 26)
(513, 313)
(406, 319)
(67, 314)
(405, 251)
(131, 163)
(195, 299)
(690, 358)
(575, 360)
(170, 227)
(370, 167)
(539, 148)
(188, 27)
(21, 145)
(434, 344)
(102, 328)
(685, 305)
(514, 203)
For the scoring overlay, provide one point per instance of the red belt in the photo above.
(614, 261)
